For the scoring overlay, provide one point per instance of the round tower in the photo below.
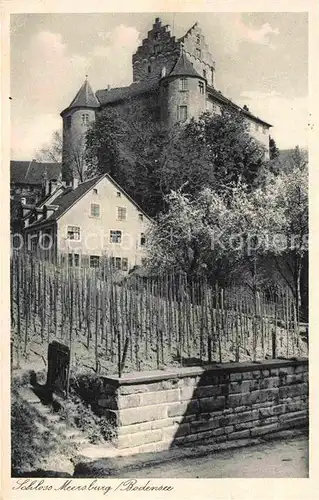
(183, 92)
(76, 119)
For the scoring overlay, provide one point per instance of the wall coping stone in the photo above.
(197, 371)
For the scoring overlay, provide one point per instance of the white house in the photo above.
(88, 221)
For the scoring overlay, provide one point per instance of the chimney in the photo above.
(75, 182)
(47, 188)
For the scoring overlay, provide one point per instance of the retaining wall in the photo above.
(153, 411)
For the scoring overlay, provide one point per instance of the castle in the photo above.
(174, 78)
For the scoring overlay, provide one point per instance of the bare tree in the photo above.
(51, 152)
(75, 158)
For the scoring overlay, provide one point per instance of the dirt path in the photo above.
(285, 458)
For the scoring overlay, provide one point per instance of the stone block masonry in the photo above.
(153, 411)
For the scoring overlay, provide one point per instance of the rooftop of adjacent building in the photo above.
(33, 172)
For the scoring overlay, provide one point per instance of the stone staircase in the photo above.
(50, 420)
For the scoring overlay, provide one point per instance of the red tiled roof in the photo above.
(33, 172)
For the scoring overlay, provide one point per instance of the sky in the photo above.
(261, 61)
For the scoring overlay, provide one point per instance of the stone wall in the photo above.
(156, 410)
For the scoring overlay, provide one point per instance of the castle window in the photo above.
(118, 194)
(124, 264)
(204, 73)
(201, 87)
(95, 210)
(115, 236)
(68, 122)
(85, 118)
(197, 38)
(149, 69)
(198, 53)
(73, 233)
(142, 240)
(95, 191)
(121, 213)
(140, 216)
(182, 113)
(183, 84)
(94, 261)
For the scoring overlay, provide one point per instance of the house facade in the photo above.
(87, 222)
(174, 79)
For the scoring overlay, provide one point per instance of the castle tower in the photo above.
(157, 50)
(197, 51)
(76, 119)
(182, 92)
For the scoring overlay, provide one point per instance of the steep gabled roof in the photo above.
(85, 98)
(71, 196)
(33, 172)
(184, 67)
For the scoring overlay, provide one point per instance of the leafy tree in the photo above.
(273, 150)
(214, 233)
(225, 144)
(291, 197)
(220, 233)
(149, 160)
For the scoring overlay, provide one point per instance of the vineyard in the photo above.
(115, 323)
